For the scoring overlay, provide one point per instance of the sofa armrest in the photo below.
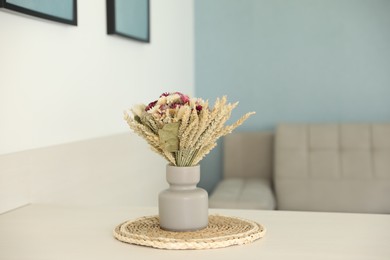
(243, 193)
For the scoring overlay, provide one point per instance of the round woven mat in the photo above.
(221, 231)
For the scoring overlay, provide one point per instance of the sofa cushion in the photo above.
(333, 167)
(248, 155)
(243, 193)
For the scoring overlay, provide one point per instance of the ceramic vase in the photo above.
(183, 206)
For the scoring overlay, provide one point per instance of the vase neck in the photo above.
(182, 187)
(183, 178)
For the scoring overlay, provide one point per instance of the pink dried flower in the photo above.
(163, 107)
(150, 105)
(175, 105)
(184, 98)
(172, 101)
(165, 94)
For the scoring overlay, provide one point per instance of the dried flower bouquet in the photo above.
(182, 129)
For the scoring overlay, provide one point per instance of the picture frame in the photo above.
(129, 18)
(63, 11)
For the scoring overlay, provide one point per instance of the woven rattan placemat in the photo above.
(222, 231)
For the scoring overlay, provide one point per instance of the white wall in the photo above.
(61, 83)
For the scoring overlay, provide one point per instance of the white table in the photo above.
(55, 232)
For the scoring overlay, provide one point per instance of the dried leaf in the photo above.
(169, 137)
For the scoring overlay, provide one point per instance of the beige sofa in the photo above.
(315, 167)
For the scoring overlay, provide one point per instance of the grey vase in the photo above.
(183, 206)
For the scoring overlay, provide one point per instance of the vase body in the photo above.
(183, 206)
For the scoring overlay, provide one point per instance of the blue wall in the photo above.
(293, 61)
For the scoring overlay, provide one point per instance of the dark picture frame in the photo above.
(63, 11)
(129, 18)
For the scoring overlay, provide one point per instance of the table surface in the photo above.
(61, 232)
